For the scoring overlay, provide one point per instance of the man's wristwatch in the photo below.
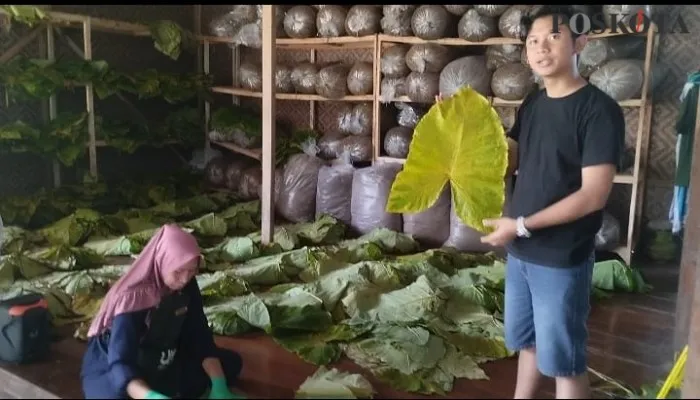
(520, 229)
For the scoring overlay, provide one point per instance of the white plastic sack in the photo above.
(334, 189)
(457, 9)
(392, 88)
(304, 78)
(360, 78)
(250, 76)
(300, 22)
(432, 226)
(331, 81)
(501, 54)
(297, 202)
(359, 148)
(430, 22)
(428, 57)
(512, 82)
(283, 79)
(396, 20)
(475, 27)
(620, 79)
(409, 114)
(608, 237)
(370, 192)
(469, 70)
(330, 21)
(491, 10)
(330, 145)
(250, 182)
(363, 20)
(393, 63)
(509, 23)
(397, 141)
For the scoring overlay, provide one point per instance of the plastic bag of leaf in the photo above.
(358, 147)
(422, 87)
(393, 62)
(360, 122)
(250, 76)
(457, 9)
(598, 52)
(432, 226)
(330, 145)
(250, 182)
(363, 20)
(360, 78)
(250, 35)
(280, 12)
(215, 172)
(466, 239)
(228, 24)
(475, 27)
(300, 22)
(397, 141)
(608, 237)
(431, 21)
(279, 181)
(304, 78)
(392, 88)
(334, 189)
(234, 172)
(620, 79)
(509, 24)
(397, 20)
(283, 79)
(428, 57)
(512, 82)
(491, 10)
(409, 114)
(330, 21)
(501, 54)
(297, 202)
(331, 81)
(370, 192)
(469, 70)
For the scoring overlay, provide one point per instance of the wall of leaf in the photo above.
(25, 173)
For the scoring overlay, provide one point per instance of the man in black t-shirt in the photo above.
(569, 138)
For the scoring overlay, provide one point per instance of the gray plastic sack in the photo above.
(370, 192)
(334, 189)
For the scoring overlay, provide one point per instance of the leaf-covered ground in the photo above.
(417, 319)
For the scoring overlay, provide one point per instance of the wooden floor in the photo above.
(630, 340)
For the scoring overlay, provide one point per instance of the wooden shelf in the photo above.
(252, 153)
(487, 42)
(317, 43)
(287, 96)
(496, 102)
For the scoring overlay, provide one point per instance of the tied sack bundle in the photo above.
(467, 239)
(397, 19)
(297, 201)
(215, 171)
(432, 226)
(465, 71)
(334, 189)
(370, 192)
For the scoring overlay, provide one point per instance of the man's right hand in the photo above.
(439, 98)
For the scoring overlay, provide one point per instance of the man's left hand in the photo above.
(505, 230)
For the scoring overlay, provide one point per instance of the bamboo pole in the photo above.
(90, 98)
(53, 111)
(269, 65)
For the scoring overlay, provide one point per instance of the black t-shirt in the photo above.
(557, 137)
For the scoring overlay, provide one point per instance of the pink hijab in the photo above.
(142, 287)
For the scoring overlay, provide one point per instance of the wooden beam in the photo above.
(21, 44)
(269, 66)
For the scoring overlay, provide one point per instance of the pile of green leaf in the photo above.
(29, 79)
(64, 138)
(416, 319)
(47, 206)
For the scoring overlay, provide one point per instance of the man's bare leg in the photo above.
(529, 376)
(573, 387)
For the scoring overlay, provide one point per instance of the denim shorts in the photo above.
(547, 309)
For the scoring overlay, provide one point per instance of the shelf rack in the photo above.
(56, 20)
(635, 178)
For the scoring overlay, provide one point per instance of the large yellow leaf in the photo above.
(461, 141)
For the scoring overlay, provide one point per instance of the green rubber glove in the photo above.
(153, 395)
(219, 389)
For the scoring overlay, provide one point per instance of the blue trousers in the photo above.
(192, 385)
(546, 309)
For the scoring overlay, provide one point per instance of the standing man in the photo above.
(570, 136)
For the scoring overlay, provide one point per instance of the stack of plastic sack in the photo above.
(334, 189)
(297, 197)
(370, 192)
